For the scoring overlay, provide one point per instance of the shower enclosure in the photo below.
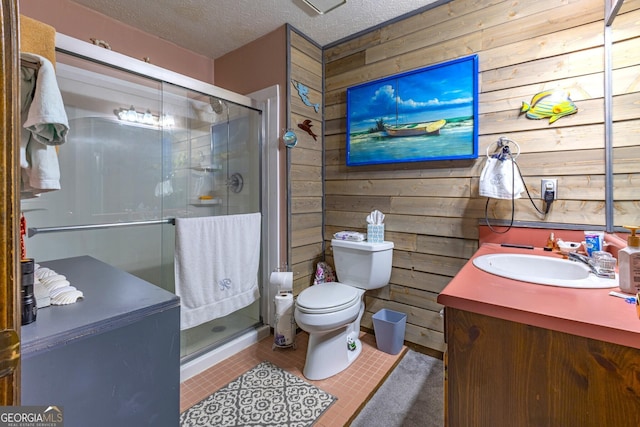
(141, 152)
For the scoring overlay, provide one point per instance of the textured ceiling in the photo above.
(216, 27)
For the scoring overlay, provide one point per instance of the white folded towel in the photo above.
(352, 236)
(216, 265)
(500, 179)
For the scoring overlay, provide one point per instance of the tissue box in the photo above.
(375, 233)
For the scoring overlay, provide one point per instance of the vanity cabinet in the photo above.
(526, 355)
(500, 373)
(110, 359)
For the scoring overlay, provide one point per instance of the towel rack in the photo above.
(503, 144)
(29, 64)
(32, 231)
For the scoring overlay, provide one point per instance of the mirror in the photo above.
(622, 117)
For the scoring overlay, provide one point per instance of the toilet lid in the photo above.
(327, 298)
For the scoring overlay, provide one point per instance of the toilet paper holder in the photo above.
(284, 326)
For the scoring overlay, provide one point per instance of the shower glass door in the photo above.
(141, 152)
(212, 166)
(109, 168)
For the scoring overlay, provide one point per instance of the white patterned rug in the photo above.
(264, 396)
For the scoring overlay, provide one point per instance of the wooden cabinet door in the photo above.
(507, 374)
(9, 213)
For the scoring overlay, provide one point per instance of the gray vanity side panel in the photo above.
(129, 376)
(110, 359)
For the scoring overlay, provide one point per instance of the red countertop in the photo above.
(590, 313)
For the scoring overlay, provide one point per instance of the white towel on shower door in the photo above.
(45, 125)
(216, 265)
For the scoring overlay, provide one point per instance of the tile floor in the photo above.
(353, 387)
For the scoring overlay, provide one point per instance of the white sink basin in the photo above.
(542, 270)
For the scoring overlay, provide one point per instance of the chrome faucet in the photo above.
(595, 269)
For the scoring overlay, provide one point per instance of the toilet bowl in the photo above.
(331, 312)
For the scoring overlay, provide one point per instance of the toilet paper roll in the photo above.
(281, 280)
(284, 329)
(284, 304)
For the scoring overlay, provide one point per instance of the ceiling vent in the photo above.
(323, 6)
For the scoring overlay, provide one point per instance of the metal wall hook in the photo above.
(503, 146)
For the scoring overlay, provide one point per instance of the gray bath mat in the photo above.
(263, 396)
(412, 395)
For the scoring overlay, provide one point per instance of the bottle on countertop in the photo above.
(629, 263)
(551, 243)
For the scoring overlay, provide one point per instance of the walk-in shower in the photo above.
(141, 152)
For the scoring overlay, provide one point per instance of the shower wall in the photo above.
(141, 152)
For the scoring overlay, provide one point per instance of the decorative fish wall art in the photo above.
(303, 92)
(551, 103)
(306, 126)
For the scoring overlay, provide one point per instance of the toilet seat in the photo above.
(327, 298)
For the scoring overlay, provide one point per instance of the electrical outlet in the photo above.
(549, 184)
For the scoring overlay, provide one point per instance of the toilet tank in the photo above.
(362, 264)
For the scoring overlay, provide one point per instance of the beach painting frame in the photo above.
(422, 115)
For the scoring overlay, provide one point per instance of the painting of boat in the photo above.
(416, 129)
(415, 116)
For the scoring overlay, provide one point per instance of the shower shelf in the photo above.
(209, 202)
(207, 168)
(204, 168)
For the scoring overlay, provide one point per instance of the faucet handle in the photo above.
(574, 256)
(595, 267)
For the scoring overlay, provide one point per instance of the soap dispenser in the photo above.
(629, 263)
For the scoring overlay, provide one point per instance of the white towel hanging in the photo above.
(45, 125)
(216, 265)
(500, 177)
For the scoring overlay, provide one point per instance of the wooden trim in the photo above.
(10, 115)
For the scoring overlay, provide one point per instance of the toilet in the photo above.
(331, 312)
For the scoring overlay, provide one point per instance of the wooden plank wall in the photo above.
(433, 208)
(305, 172)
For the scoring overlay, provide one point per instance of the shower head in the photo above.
(216, 104)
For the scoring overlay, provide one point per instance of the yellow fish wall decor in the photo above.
(551, 103)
